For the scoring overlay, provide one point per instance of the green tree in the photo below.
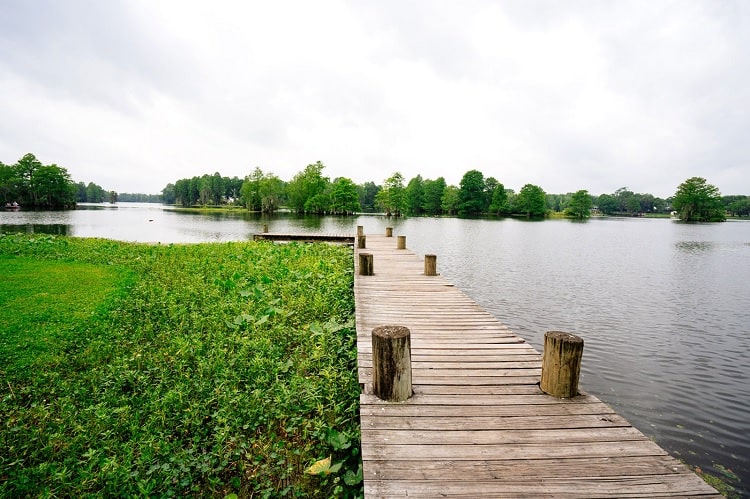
(490, 184)
(25, 172)
(698, 201)
(271, 190)
(250, 190)
(344, 199)
(415, 196)
(392, 197)
(449, 201)
(95, 193)
(216, 189)
(80, 192)
(33, 184)
(499, 204)
(306, 185)
(232, 188)
(184, 193)
(627, 202)
(607, 204)
(737, 206)
(580, 204)
(54, 187)
(367, 193)
(471, 196)
(433, 196)
(531, 201)
(262, 191)
(168, 194)
(741, 207)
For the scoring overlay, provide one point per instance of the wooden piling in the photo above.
(389, 232)
(561, 364)
(265, 228)
(430, 265)
(401, 242)
(360, 230)
(361, 241)
(366, 264)
(391, 363)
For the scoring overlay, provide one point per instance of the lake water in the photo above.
(663, 307)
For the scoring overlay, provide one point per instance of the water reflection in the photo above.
(53, 229)
(692, 246)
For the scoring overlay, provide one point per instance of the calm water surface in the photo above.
(663, 307)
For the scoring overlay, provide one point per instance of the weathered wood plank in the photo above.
(460, 471)
(510, 436)
(510, 451)
(533, 422)
(409, 410)
(584, 487)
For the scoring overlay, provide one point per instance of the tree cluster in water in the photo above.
(309, 191)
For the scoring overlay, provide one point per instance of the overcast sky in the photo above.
(566, 95)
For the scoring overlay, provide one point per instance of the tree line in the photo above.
(310, 191)
(30, 183)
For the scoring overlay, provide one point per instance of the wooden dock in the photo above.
(306, 238)
(478, 425)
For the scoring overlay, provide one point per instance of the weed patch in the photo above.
(179, 370)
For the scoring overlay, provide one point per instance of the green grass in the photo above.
(43, 303)
(180, 370)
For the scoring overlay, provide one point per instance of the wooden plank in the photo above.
(459, 471)
(510, 436)
(584, 487)
(408, 410)
(532, 422)
(472, 452)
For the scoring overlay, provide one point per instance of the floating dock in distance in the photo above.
(306, 238)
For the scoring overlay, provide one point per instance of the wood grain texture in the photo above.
(478, 424)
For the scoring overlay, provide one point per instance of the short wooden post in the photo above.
(265, 228)
(389, 232)
(391, 363)
(361, 241)
(430, 265)
(401, 242)
(561, 364)
(366, 264)
(360, 230)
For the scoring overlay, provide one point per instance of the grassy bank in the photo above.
(181, 370)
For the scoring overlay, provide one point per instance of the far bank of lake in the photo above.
(661, 305)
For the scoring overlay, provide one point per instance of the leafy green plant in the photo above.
(203, 370)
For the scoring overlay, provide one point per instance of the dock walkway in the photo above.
(478, 425)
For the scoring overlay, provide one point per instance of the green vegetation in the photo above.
(698, 201)
(580, 205)
(392, 197)
(32, 184)
(180, 370)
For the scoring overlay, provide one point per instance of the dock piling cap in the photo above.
(391, 331)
